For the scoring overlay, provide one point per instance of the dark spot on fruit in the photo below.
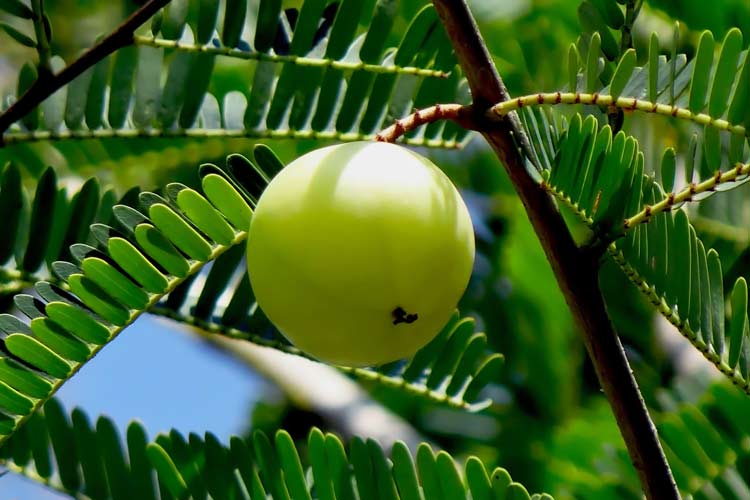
(401, 316)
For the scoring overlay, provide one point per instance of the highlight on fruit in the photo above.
(359, 252)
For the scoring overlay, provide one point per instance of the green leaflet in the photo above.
(83, 208)
(221, 193)
(63, 444)
(372, 49)
(573, 65)
(11, 206)
(78, 321)
(173, 19)
(22, 379)
(738, 323)
(94, 296)
(726, 69)
(175, 89)
(26, 348)
(136, 265)
(668, 169)
(53, 108)
(176, 229)
(41, 224)
(653, 67)
(91, 463)
(207, 16)
(95, 95)
(592, 21)
(14, 403)
(414, 42)
(18, 36)
(289, 461)
(147, 86)
(611, 13)
(159, 248)
(16, 8)
(592, 62)
(701, 72)
(739, 111)
(321, 469)
(98, 460)
(623, 72)
(59, 341)
(288, 82)
(234, 21)
(204, 216)
(268, 18)
(115, 283)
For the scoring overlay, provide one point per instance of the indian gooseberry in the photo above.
(359, 252)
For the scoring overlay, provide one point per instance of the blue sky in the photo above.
(163, 377)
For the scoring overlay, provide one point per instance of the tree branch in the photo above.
(576, 271)
(45, 87)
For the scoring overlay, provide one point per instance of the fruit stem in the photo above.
(576, 269)
(463, 115)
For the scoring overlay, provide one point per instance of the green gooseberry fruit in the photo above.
(359, 252)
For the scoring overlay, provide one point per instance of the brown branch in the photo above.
(576, 269)
(463, 115)
(45, 87)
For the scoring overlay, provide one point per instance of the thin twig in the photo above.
(576, 270)
(45, 87)
(313, 62)
(42, 42)
(739, 171)
(456, 112)
(632, 9)
(627, 104)
(212, 133)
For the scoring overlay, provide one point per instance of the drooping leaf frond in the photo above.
(712, 92)
(602, 179)
(74, 456)
(605, 178)
(137, 262)
(353, 84)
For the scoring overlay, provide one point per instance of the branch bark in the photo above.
(576, 269)
(45, 87)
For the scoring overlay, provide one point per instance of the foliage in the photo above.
(641, 137)
(90, 460)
